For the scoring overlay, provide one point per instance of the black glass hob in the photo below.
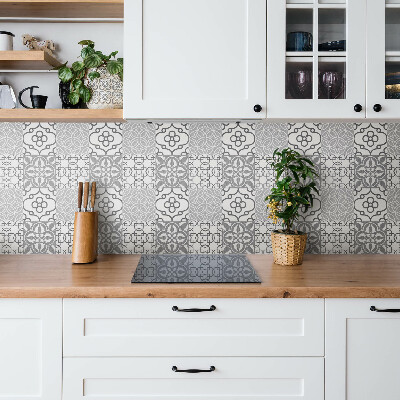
(195, 268)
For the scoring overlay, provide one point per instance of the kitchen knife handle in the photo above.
(93, 196)
(175, 308)
(193, 371)
(80, 192)
(85, 195)
(390, 310)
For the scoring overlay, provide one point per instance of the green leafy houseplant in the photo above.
(81, 69)
(294, 187)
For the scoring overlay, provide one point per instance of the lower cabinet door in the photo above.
(30, 349)
(228, 378)
(362, 349)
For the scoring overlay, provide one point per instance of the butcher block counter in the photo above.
(320, 276)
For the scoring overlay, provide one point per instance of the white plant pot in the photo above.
(106, 91)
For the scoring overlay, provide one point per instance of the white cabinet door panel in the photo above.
(194, 58)
(30, 349)
(362, 350)
(233, 379)
(237, 327)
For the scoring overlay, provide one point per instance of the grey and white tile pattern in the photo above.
(39, 139)
(138, 139)
(105, 139)
(172, 139)
(72, 138)
(337, 139)
(270, 136)
(11, 138)
(11, 171)
(197, 187)
(11, 238)
(238, 139)
(305, 138)
(205, 237)
(370, 139)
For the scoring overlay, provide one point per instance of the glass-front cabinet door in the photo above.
(316, 58)
(383, 58)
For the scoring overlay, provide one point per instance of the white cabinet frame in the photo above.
(278, 105)
(376, 61)
(193, 106)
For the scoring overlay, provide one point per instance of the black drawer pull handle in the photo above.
(373, 308)
(193, 371)
(175, 308)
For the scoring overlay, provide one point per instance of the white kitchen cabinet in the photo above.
(304, 79)
(195, 59)
(236, 327)
(233, 378)
(383, 59)
(30, 349)
(362, 349)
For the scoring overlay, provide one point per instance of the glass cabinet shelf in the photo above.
(317, 53)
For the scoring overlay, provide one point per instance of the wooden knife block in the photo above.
(84, 247)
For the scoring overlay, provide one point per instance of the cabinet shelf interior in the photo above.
(392, 29)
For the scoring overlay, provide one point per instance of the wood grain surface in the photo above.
(85, 241)
(27, 60)
(62, 8)
(60, 115)
(323, 276)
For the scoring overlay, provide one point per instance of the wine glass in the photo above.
(299, 84)
(331, 85)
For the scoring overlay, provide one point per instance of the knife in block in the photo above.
(85, 196)
(80, 193)
(92, 196)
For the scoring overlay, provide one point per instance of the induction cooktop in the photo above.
(195, 268)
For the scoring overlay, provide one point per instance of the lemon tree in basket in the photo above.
(293, 191)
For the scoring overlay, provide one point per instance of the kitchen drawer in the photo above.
(152, 378)
(150, 327)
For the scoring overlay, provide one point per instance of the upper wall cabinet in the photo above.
(316, 58)
(195, 59)
(383, 59)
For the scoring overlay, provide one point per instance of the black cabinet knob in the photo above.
(358, 108)
(377, 107)
(257, 108)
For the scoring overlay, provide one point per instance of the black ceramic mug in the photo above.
(299, 41)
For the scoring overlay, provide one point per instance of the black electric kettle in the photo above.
(38, 101)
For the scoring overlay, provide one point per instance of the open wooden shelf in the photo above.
(60, 115)
(27, 60)
(62, 9)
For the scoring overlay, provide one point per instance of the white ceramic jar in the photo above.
(6, 40)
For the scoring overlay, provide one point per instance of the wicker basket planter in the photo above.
(288, 249)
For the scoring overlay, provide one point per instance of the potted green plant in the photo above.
(95, 79)
(293, 190)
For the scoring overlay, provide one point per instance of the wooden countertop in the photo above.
(324, 276)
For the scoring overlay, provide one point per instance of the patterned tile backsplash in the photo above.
(195, 187)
